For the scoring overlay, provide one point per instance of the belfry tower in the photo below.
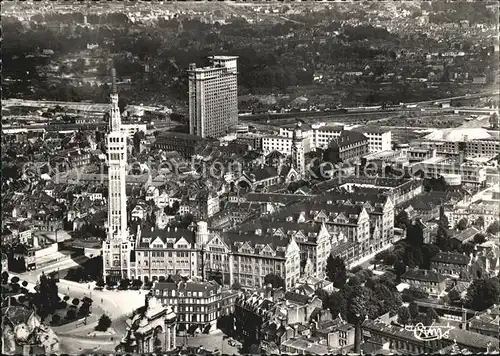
(117, 247)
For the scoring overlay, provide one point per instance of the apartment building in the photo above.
(431, 282)
(179, 142)
(255, 256)
(450, 263)
(400, 190)
(282, 144)
(350, 146)
(486, 210)
(434, 167)
(160, 253)
(197, 304)
(379, 335)
(378, 139)
(348, 225)
(486, 322)
(213, 97)
(314, 240)
(488, 147)
(323, 135)
(314, 136)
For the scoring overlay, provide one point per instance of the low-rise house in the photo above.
(338, 333)
(450, 263)
(431, 282)
(465, 235)
(487, 322)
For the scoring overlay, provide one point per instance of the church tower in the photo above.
(298, 158)
(117, 247)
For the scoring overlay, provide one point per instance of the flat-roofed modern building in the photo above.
(213, 97)
(378, 138)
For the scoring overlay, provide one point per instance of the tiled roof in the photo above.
(297, 298)
(186, 286)
(472, 339)
(276, 198)
(235, 240)
(347, 138)
(175, 234)
(262, 173)
(311, 209)
(424, 275)
(466, 234)
(451, 257)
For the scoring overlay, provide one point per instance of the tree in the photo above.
(403, 315)
(56, 319)
(415, 235)
(413, 309)
(75, 302)
(100, 283)
(24, 284)
(390, 259)
(104, 323)
(482, 293)
(274, 280)
(443, 240)
(402, 220)
(66, 298)
(5, 277)
(354, 281)
(236, 286)
(479, 222)
(136, 283)
(479, 238)
(462, 224)
(494, 228)
(336, 303)
(336, 271)
(399, 268)
(431, 316)
(14, 280)
(411, 294)
(428, 252)
(71, 315)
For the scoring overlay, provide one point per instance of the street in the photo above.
(118, 305)
(213, 341)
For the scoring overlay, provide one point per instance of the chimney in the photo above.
(464, 319)
(357, 338)
(488, 347)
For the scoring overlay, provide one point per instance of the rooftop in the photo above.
(466, 234)
(423, 275)
(451, 257)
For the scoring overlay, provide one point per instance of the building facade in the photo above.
(450, 263)
(213, 97)
(431, 282)
(350, 146)
(175, 141)
(117, 248)
(378, 139)
(298, 158)
(197, 304)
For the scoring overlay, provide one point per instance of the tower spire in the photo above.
(115, 119)
(113, 81)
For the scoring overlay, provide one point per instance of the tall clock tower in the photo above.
(118, 246)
